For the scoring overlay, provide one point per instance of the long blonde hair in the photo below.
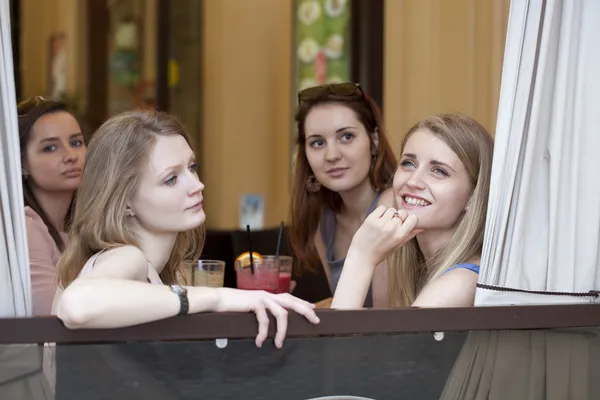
(117, 153)
(408, 270)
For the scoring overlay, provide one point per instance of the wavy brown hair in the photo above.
(306, 207)
(116, 155)
(29, 112)
(409, 272)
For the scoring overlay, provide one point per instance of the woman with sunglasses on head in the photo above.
(427, 247)
(52, 157)
(343, 164)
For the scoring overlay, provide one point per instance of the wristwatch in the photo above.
(184, 304)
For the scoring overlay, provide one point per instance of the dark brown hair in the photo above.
(306, 207)
(29, 112)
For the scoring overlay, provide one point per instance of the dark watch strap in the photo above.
(184, 304)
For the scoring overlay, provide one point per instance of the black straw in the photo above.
(250, 249)
(279, 239)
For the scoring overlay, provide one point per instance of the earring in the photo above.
(312, 184)
(128, 213)
(375, 142)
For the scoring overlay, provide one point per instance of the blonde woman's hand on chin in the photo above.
(259, 302)
(384, 231)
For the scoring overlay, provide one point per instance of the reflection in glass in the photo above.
(559, 364)
(378, 367)
(552, 365)
(21, 374)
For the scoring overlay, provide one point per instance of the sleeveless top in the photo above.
(327, 228)
(43, 258)
(87, 268)
(49, 356)
(470, 267)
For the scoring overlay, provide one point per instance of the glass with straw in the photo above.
(256, 272)
(285, 265)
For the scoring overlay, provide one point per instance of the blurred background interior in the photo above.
(230, 69)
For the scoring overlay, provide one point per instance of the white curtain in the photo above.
(15, 285)
(543, 225)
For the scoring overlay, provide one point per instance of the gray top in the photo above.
(328, 225)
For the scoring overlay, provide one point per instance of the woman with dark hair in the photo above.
(343, 164)
(52, 157)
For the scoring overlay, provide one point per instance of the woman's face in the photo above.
(55, 153)
(432, 182)
(169, 196)
(338, 147)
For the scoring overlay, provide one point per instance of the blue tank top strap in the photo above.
(470, 267)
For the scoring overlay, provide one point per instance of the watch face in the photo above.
(178, 289)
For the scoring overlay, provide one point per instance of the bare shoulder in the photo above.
(125, 262)
(387, 198)
(455, 288)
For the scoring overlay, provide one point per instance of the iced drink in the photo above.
(264, 277)
(285, 273)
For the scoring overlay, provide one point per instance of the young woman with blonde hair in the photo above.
(430, 242)
(139, 215)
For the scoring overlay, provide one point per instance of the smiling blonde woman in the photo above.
(430, 242)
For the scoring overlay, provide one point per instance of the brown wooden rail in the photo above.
(235, 326)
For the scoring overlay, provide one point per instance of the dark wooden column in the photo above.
(367, 46)
(15, 31)
(97, 21)
(163, 35)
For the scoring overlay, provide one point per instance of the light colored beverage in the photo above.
(203, 277)
(209, 273)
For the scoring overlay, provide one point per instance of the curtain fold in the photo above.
(15, 283)
(543, 223)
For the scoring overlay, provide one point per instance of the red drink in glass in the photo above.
(264, 277)
(285, 279)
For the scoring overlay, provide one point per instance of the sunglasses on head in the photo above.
(346, 90)
(27, 105)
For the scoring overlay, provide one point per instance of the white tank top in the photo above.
(49, 356)
(89, 265)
